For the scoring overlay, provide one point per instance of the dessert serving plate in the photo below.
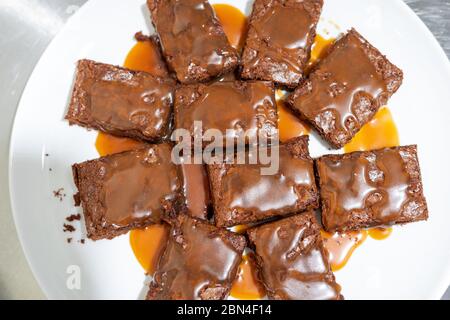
(413, 263)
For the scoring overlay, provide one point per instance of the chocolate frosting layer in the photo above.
(200, 262)
(241, 194)
(196, 190)
(292, 261)
(121, 101)
(279, 40)
(346, 89)
(193, 41)
(371, 189)
(230, 107)
(126, 190)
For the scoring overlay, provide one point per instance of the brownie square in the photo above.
(346, 89)
(200, 262)
(233, 108)
(241, 194)
(121, 102)
(127, 190)
(291, 260)
(371, 189)
(278, 45)
(193, 41)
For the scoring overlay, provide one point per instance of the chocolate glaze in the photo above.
(237, 106)
(292, 262)
(196, 190)
(121, 101)
(279, 40)
(371, 189)
(242, 195)
(346, 89)
(127, 190)
(200, 262)
(193, 40)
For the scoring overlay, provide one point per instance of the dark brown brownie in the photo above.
(291, 260)
(127, 190)
(279, 40)
(230, 107)
(193, 41)
(241, 194)
(158, 64)
(121, 102)
(346, 89)
(371, 189)
(196, 190)
(200, 262)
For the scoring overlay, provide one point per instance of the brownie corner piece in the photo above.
(242, 194)
(368, 189)
(274, 49)
(346, 89)
(292, 261)
(127, 190)
(200, 262)
(193, 40)
(121, 101)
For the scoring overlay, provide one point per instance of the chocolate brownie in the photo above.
(291, 260)
(346, 89)
(241, 194)
(196, 190)
(281, 34)
(371, 189)
(200, 262)
(156, 58)
(233, 108)
(127, 190)
(193, 41)
(121, 102)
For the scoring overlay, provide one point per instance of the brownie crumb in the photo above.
(82, 241)
(69, 240)
(59, 194)
(50, 169)
(68, 228)
(139, 36)
(73, 217)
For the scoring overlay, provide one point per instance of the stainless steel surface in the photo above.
(27, 28)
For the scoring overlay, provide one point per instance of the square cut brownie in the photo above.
(200, 262)
(346, 89)
(193, 41)
(371, 189)
(233, 108)
(121, 102)
(281, 34)
(242, 195)
(291, 260)
(127, 190)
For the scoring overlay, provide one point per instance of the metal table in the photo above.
(28, 27)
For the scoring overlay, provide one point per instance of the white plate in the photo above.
(413, 263)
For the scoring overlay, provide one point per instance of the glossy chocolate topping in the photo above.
(243, 195)
(236, 106)
(292, 261)
(200, 262)
(279, 40)
(365, 189)
(196, 190)
(121, 101)
(193, 41)
(136, 185)
(346, 89)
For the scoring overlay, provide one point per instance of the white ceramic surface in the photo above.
(413, 263)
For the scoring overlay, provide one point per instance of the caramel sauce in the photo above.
(379, 133)
(107, 144)
(246, 286)
(319, 50)
(148, 245)
(234, 23)
(380, 233)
